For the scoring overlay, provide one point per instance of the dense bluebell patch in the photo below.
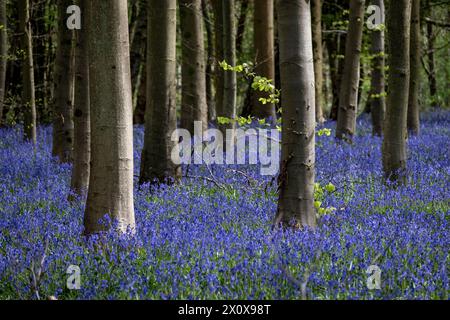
(202, 239)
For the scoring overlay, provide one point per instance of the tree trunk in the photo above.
(219, 72)
(111, 178)
(207, 16)
(431, 64)
(296, 180)
(28, 94)
(229, 53)
(82, 128)
(377, 98)
(138, 45)
(193, 100)
(395, 133)
(63, 82)
(3, 55)
(336, 49)
(413, 104)
(316, 12)
(348, 96)
(160, 116)
(241, 24)
(265, 55)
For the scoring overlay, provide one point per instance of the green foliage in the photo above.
(259, 83)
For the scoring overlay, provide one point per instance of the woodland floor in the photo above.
(200, 240)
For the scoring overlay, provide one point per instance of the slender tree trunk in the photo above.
(413, 104)
(82, 128)
(63, 83)
(219, 72)
(138, 54)
(28, 94)
(3, 55)
(336, 48)
(296, 180)
(193, 101)
(378, 100)
(210, 60)
(395, 133)
(160, 116)
(111, 178)
(348, 96)
(241, 24)
(265, 55)
(431, 64)
(316, 11)
(229, 52)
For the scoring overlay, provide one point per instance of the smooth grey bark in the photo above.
(264, 55)
(193, 97)
(219, 72)
(28, 93)
(63, 86)
(415, 47)
(378, 87)
(160, 115)
(316, 13)
(297, 172)
(394, 152)
(240, 31)
(336, 49)
(3, 54)
(207, 16)
(111, 177)
(348, 96)
(82, 127)
(229, 52)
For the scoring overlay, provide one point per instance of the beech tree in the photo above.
(111, 179)
(264, 54)
(3, 54)
(348, 96)
(218, 43)
(415, 47)
(395, 134)
(316, 12)
(28, 93)
(377, 92)
(296, 180)
(82, 128)
(193, 104)
(63, 88)
(160, 114)
(228, 109)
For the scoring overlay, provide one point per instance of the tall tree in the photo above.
(63, 83)
(193, 100)
(296, 180)
(431, 44)
(207, 16)
(377, 92)
(415, 47)
(241, 24)
(82, 129)
(3, 54)
(111, 178)
(160, 115)
(348, 97)
(28, 93)
(316, 12)
(264, 54)
(395, 133)
(229, 53)
(218, 40)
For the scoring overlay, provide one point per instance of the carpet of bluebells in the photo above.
(212, 237)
